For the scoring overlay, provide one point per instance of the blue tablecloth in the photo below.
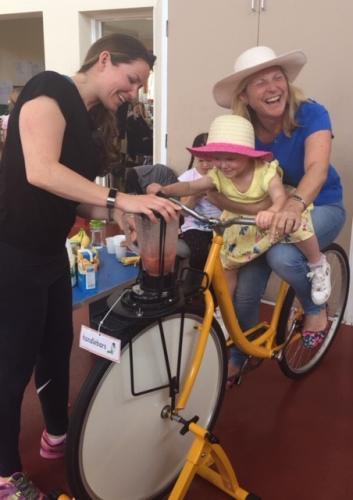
(111, 274)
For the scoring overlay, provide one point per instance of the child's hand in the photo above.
(264, 219)
(153, 188)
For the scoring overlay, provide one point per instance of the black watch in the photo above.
(113, 193)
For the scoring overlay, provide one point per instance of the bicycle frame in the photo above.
(262, 346)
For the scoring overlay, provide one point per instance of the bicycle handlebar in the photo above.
(212, 221)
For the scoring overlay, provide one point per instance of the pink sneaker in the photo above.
(50, 448)
(19, 487)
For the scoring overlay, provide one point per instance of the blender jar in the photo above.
(157, 244)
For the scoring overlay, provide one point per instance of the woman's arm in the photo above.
(225, 203)
(316, 163)
(91, 212)
(111, 215)
(42, 128)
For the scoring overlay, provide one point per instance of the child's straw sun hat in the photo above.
(230, 134)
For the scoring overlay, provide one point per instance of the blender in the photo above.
(156, 290)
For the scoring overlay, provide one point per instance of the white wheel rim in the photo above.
(127, 450)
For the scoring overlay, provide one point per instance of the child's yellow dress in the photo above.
(244, 243)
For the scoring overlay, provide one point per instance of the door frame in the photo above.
(159, 11)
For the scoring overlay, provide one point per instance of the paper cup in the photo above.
(120, 251)
(110, 244)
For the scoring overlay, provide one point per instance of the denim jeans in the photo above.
(288, 263)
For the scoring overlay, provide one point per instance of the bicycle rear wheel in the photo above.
(297, 360)
(119, 446)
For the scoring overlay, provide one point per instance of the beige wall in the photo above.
(204, 38)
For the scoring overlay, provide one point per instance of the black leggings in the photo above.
(35, 333)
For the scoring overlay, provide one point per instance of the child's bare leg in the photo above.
(231, 276)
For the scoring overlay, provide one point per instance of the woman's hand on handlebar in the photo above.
(286, 221)
(147, 204)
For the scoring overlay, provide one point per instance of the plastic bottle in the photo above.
(97, 233)
(72, 261)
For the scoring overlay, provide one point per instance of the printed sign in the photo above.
(100, 344)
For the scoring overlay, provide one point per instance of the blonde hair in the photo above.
(295, 98)
(122, 49)
(142, 109)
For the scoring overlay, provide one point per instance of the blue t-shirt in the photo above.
(289, 151)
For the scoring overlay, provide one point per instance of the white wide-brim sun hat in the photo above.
(231, 134)
(250, 62)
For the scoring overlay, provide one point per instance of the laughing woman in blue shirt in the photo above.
(298, 132)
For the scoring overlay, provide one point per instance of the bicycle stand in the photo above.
(207, 459)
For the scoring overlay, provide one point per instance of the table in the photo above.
(110, 276)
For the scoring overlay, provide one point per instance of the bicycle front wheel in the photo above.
(296, 359)
(119, 446)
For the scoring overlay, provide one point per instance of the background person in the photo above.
(139, 134)
(54, 150)
(197, 235)
(5, 118)
(297, 131)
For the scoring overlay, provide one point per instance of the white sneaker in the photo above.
(320, 277)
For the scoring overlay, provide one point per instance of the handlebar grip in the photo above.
(241, 219)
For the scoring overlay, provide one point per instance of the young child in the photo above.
(245, 175)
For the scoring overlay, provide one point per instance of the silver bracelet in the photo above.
(297, 197)
(110, 215)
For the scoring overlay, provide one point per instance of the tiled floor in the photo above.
(287, 440)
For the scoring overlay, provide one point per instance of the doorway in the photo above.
(135, 120)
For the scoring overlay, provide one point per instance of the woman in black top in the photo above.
(139, 134)
(57, 143)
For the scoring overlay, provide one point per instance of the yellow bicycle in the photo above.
(125, 441)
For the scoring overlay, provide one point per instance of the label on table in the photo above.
(100, 344)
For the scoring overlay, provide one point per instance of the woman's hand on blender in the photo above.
(148, 204)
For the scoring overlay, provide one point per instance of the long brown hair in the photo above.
(122, 49)
(295, 98)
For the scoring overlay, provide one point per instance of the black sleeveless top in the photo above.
(31, 218)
